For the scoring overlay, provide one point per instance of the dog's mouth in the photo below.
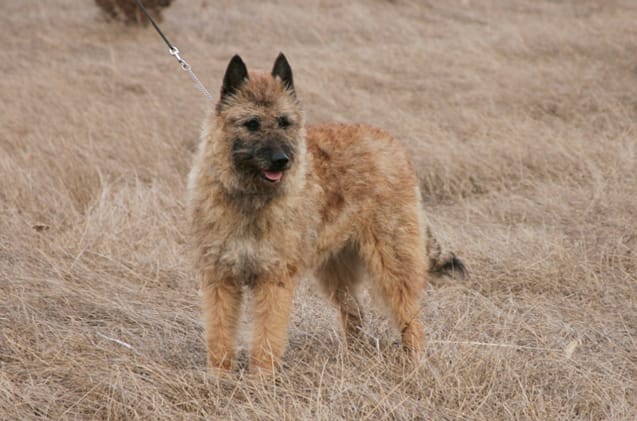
(272, 176)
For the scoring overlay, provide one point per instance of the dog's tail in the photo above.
(443, 263)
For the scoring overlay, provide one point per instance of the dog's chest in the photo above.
(267, 248)
(249, 260)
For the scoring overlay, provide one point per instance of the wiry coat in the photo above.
(348, 203)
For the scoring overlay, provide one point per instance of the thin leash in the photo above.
(174, 51)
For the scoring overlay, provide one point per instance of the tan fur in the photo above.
(349, 204)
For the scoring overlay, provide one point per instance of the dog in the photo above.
(271, 200)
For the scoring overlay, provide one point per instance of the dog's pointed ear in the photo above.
(283, 71)
(236, 75)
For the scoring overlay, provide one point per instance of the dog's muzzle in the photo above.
(279, 161)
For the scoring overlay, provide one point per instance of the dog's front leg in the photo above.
(221, 305)
(273, 303)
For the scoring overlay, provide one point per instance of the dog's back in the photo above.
(363, 174)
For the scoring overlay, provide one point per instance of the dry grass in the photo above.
(521, 117)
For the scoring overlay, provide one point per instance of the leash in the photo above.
(174, 51)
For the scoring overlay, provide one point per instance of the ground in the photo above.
(521, 120)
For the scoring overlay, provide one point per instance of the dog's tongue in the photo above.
(273, 175)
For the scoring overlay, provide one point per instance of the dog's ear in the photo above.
(236, 75)
(283, 71)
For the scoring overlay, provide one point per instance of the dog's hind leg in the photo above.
(395, 258)
(340, 277)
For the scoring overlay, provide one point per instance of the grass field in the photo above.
(520, 117)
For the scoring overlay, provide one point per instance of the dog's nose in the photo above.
(279, 160)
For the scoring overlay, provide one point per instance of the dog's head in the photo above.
(262, 125)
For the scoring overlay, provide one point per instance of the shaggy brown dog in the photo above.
(270, 202)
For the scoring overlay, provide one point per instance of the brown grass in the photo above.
(521, 117)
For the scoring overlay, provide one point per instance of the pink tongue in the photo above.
(273, 175)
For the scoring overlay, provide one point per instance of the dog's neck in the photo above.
(250, 203)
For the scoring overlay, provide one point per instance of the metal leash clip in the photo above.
(174, 51)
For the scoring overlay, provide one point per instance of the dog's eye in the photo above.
(253, 124)
(283, 122)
